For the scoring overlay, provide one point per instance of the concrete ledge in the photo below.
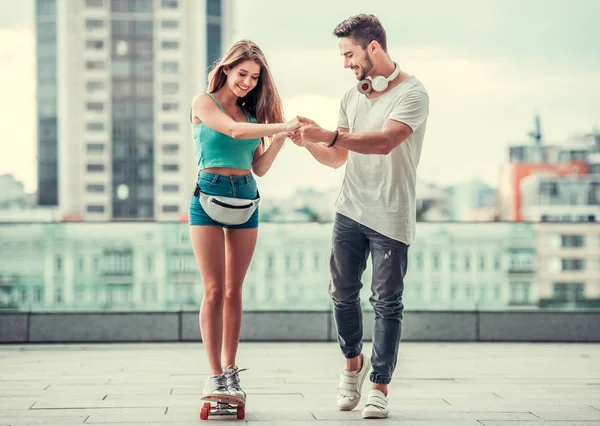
(439, 326)
(103, 327)
(13, 328)
(516, 326)
(540, 326)
(265, 326)
(426, 326)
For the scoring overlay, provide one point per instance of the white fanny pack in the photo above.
(227, 210)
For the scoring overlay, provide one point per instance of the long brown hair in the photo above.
(263, 102)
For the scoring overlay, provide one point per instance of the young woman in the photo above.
(238, 128)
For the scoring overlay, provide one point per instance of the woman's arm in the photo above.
(206, 111)
(263, 160)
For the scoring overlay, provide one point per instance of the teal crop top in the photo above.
(215, 149)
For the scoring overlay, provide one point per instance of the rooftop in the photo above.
(435, 384)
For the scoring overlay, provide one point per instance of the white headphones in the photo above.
(379, 83)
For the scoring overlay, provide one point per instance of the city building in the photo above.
(115, 83)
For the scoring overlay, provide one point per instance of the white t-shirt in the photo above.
(379, 190)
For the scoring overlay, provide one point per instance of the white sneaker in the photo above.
(376, 406)
(231, 373)
(350, 386)
(215, 387)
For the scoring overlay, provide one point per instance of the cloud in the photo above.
(478, 107)
(18, 146)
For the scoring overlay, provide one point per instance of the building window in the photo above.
(143, 89)
(145, 192)
(94, 4)
(143, 6)
(452, 261)
(170, 45)
(453, 290)
(92, 208)
(143, 28)
(169, 24)
(94, 65)
(170, 188)
(419, 260)
(94, 44)
(95, 127)
(170, 149)
(519, 292)
(170, 127)
(170, 167)
(213, 7)
(497, 263)
(170, 88)
(118, 262)
(95, 106)
(121, 28)
(573, 264)
(94, 86)
(170, 209)
(170, 67)
(468, 292)
(481, 262)
(435, 260)
(95, 148)
(568, 292)
(144, 171)
(170, 4)
(121, 68)
(170, 106)
(213, 44)
(571, 241)
(95, 188)
(95, 167)
(143, 68)
(124, 6)
(94, 24)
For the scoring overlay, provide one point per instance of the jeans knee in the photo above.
(342, 296)
(391, 309)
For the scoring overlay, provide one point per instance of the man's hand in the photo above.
(308, 132)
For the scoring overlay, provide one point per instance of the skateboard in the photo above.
(223, 407)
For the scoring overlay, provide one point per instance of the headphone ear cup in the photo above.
(364, 86)
(380, 83)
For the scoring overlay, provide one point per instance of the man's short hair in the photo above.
(363, 29)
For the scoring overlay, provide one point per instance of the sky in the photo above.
(489, 67)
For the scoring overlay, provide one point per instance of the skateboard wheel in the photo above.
(207, 406)
(204, 413)
(241, 411)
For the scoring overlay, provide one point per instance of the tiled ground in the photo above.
(491, 384)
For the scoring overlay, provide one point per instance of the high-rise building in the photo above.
(115, 83)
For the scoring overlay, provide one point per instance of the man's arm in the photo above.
(333, 157)
(382, 143)
(408, 114)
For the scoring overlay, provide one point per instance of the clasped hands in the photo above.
(306, 131)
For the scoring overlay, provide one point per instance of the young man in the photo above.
(380, 134)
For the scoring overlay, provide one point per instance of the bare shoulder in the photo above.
(202, 100)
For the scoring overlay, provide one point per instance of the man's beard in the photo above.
(366, 69)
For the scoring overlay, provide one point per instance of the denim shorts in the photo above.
(227, 186)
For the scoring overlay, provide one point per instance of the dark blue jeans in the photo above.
(351, 245)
